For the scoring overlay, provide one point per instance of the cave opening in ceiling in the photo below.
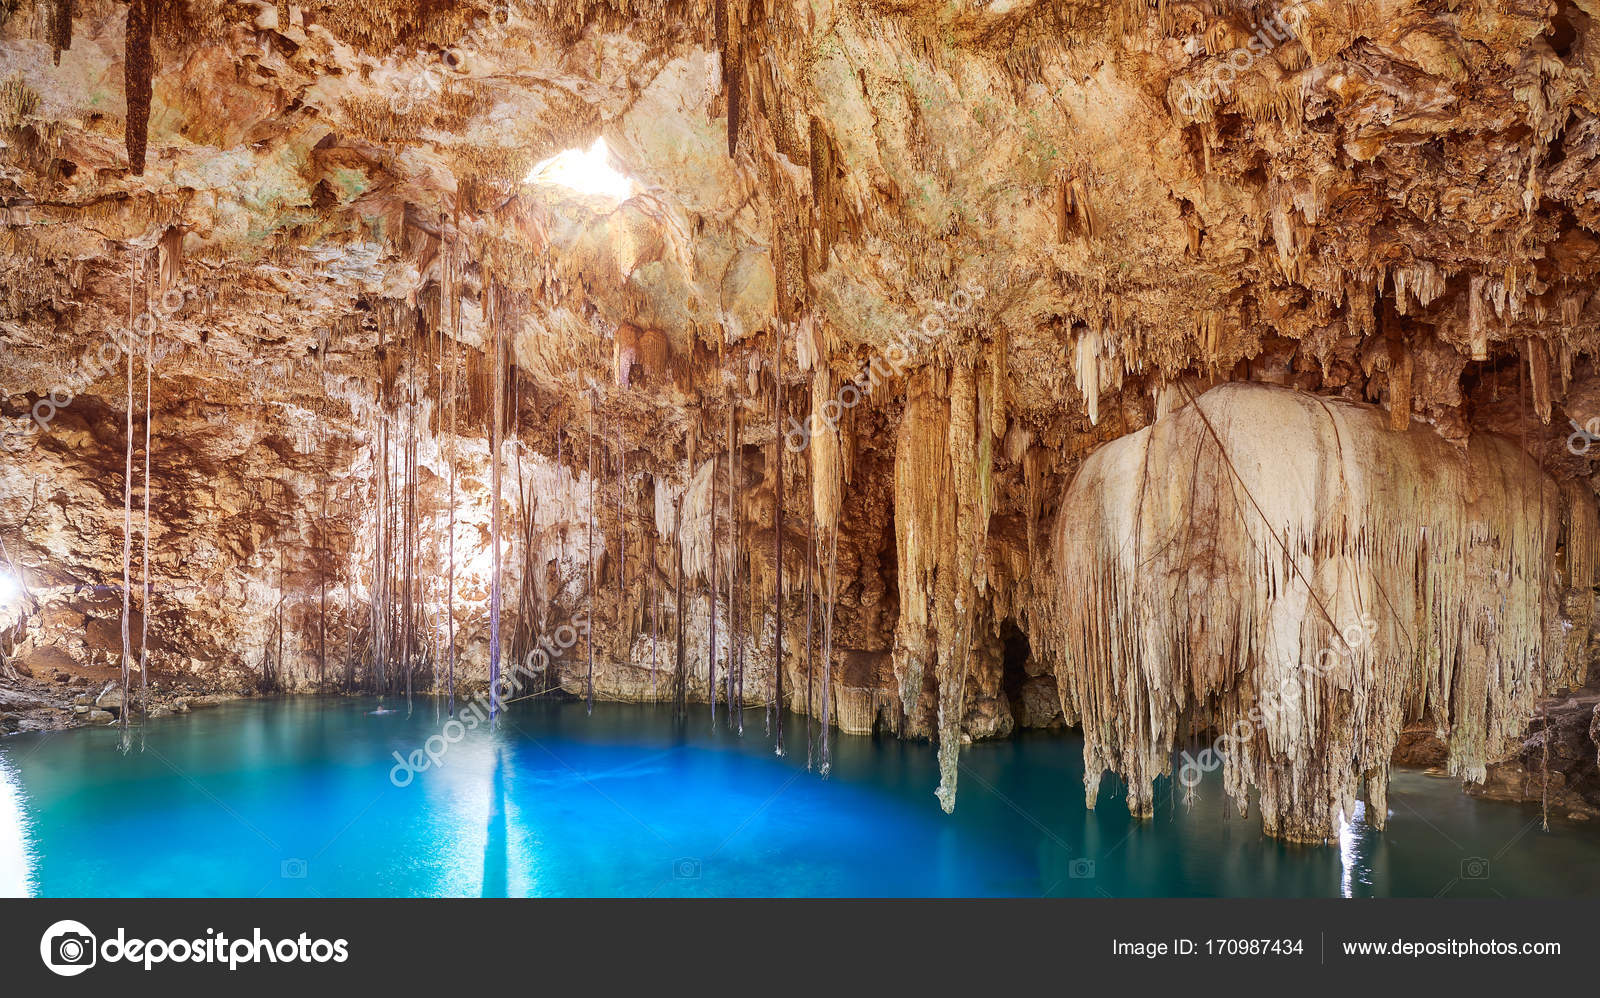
(587, 171)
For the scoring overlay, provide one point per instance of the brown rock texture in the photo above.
(928, 257)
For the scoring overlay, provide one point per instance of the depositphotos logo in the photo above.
(68, 948)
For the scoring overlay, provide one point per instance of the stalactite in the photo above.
(1477, 318)
(408, 527)
(525, 636)
(274, 674)
(1400, 373)
(170, 248)
(943, 499)
(655, 614)
(144, 602)
(349, 637)
(811, 653)
(453, 297)
(624, 353)
(733, 577)
(1086, 365)
(588, 526)
(624, 620)
(826, 503)
(741, 573)
(496, 426)
(777, 543)
(1582, 523)
(711, 600)
(127, 527)
(1539, 376)
(830, 601)
(1326, 617)
(60, 28)
(680, 662)
(322, 532)
(138, 69)
(726, 28)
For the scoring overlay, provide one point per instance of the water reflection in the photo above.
(293, 797)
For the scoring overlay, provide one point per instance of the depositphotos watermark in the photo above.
(1274, 30)
(476, 713)
(454, 61)
(1583, 437)
(68, 948)
(1286, 698)
(902, 350)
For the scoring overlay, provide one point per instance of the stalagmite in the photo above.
(1287, 568)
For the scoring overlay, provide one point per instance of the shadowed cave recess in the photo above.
(1167, 372)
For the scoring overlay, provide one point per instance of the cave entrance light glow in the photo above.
(587, 171)
(10, 589)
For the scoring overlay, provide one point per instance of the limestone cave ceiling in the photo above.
(1387, 179)
(1083, 208)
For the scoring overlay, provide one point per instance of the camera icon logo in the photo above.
(68, 948)
(1475, 868)
(686, 869)
(292, 869)
(1081, 869)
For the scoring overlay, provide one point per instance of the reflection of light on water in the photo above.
(1355, 871)
(16, 858)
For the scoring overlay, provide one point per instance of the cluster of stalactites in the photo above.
(1289, 572)
(944, 495)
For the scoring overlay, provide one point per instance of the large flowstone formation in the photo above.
(1290, 572)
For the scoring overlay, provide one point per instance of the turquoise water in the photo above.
(293, 797)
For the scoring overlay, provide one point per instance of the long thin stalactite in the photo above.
(496, 428)
(127, 520)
